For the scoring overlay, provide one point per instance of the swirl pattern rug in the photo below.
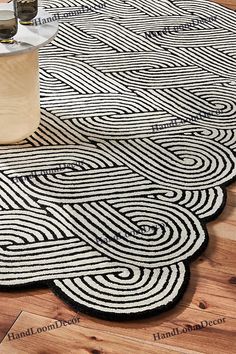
(107, 202)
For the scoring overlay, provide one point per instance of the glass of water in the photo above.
(26, 11)
(8, 22)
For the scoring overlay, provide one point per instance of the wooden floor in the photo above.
(210, 296)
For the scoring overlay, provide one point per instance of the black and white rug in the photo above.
(107, 202)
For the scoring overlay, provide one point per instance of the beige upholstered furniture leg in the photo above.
(19, 96)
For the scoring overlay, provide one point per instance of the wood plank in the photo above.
(220, 255)
(207, 288)
(232, 187)
(39, 301)
(219, 338)
(231, 199)
(227, 3)
(74, 337)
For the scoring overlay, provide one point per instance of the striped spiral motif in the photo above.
(98, 204)
(129, 289)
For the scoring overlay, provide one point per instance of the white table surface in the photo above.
(30, 38)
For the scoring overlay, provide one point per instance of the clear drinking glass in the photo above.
(26, 11)
(8, 22)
